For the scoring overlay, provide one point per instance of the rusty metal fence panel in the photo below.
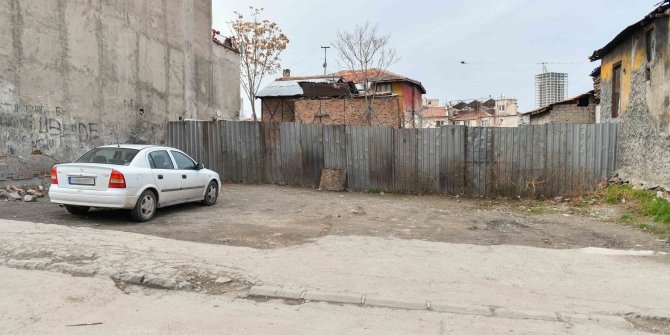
(543, 160)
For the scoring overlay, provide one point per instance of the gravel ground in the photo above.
(269, 216)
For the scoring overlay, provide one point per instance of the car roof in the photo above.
(131, 146)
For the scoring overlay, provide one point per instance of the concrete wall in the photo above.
(644, 136)
(411, 100)
(81, 73)
(432, 122)
(568, 113)
(507, 121)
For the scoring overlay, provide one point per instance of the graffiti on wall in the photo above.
(26, 128)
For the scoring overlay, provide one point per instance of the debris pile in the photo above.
(28, 194)
(619, 178)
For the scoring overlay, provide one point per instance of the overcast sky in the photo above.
(501, 41)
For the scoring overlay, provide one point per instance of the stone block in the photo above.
(525, 314)
(456, 308)
(390, 303)
(333, 180)
(263, 291)
(344, 298)
(287, 293)
(160, 282)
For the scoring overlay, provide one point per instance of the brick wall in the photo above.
(277, 110)
(386, 111)
(567, 114)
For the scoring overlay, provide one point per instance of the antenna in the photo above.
(325, 60)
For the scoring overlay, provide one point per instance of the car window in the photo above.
(183, 161)
(108, 155)
(160, 160)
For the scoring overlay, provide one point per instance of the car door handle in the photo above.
(183, 176)
(160, 176)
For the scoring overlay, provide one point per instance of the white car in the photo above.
(141, 178)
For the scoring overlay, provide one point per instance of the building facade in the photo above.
(578, 110)
(396, 100)
(326, 101)
(550, 87)
(78, 74)
(635, 91)
(502, 112)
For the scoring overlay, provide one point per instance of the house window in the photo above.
(616, 90)
(650, 45)
(439, 123)
(383, 88)
(501, 108)
(485, 123)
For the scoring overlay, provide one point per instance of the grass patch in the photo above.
(646, 202)
(626, 218)
(538, 210)
(375, 191)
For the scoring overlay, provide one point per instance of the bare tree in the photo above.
(260, 43)
(366, 53)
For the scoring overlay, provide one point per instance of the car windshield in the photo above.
(115, 156)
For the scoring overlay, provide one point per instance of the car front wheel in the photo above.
(145, 208)
(211, 194)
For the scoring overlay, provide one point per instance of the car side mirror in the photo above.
(199, 166)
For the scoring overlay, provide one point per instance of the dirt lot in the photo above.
(268, 216)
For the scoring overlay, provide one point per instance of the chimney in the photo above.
(287, 73)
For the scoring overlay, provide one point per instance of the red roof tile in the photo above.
(434, 112)
(471, 115)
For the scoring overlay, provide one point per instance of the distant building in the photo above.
(336, 99)
(577, 110)
(632, 83)
(503, 112)
(431, 102)
(434, 117)
(550, 87)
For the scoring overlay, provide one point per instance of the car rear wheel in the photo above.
(211, 194)
(77, 210)
(145, 208)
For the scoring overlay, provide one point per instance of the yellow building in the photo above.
(634, 90)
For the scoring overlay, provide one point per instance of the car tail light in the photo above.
(54, 176)
(116, 180)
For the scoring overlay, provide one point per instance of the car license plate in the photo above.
(88, 181)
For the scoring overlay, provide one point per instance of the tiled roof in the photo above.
(566, 101)
(376, 75)
(630, 30)
(434, 112)
(471, 115)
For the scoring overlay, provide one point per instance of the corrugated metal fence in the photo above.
(543, 160)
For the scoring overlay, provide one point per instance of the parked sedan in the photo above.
(141, 178)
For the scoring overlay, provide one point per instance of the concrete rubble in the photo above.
(620, 178)
(26, 194)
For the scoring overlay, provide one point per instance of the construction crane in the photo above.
(544, 65)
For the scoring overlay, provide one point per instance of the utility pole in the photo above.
(325, 60)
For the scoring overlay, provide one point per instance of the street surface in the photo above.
(101, 277)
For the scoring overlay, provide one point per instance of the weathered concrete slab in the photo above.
(333, 180)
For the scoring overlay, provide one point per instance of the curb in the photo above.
(272, 292)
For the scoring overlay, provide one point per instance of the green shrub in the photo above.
(648, 204)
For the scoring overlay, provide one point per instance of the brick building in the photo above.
(634, 91)
(336, 99)
(579, 110)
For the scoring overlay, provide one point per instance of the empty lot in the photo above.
(269, 216)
